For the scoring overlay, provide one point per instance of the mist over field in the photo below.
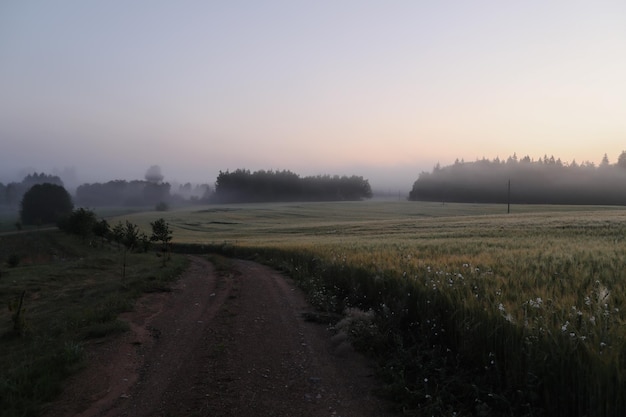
(117, 116)
(521, 180)
(392, 179)
(384, 181)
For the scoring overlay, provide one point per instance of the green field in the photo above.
(478, 312)
(72, 295)
(475, 311)
(288, 223)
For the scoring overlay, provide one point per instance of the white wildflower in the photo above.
(603, 294)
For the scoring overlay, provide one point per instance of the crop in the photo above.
(475, 312)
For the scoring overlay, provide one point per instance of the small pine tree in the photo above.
(118, 234)
(126, 235)
(102, 230)
(161, 232)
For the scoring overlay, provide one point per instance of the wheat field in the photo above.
(519, 303)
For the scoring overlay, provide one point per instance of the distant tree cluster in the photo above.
(122, 193)
(194, 193)
(243, 186)
(543, 181)
(113, 193)
(12, 193)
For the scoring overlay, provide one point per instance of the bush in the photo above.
(102, 229)
(80, 222)
(13, 260)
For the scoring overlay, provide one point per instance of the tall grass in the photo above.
(475, 314)
(73, 295)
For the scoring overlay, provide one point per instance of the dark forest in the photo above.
(543, 181)
(240, 186)
(11, 194)
(243, 186)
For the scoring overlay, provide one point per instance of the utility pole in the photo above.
(508, 199)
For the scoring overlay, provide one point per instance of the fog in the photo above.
(383, 180)
(546, 180)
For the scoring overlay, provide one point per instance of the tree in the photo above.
(144, 242)
(128, 236)
(118, 233)
(45, 203)
(131, 236)
(605, 161)
(102, 230)
(161, 233)
(154, 175)
(621, 160)
(79, 222)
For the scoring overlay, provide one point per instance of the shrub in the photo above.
(102, 229)
(16, 307)
(13, 260)
(80, 222)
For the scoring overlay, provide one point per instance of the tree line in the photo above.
(116, 193)
(12, 193)
(42, 198)
(123, 193)
(243, 186)
(546, 180)
(149, 192)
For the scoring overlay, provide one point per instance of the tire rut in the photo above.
(227, 346)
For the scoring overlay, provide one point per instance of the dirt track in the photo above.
(222, 346)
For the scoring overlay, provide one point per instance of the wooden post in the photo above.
(508, 199)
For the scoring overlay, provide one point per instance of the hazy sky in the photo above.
(383, 89)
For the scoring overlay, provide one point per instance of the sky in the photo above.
(102, 90)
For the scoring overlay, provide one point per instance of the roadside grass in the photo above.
(8, 218)
(73, 294)
(474, 312)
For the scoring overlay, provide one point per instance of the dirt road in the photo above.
(222, 346)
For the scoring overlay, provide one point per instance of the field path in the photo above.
(222, 346)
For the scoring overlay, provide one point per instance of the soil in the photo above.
(234, 345)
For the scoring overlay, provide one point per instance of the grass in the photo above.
(470, 311)
(73, 294)
(10, 215)
(476, 312)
